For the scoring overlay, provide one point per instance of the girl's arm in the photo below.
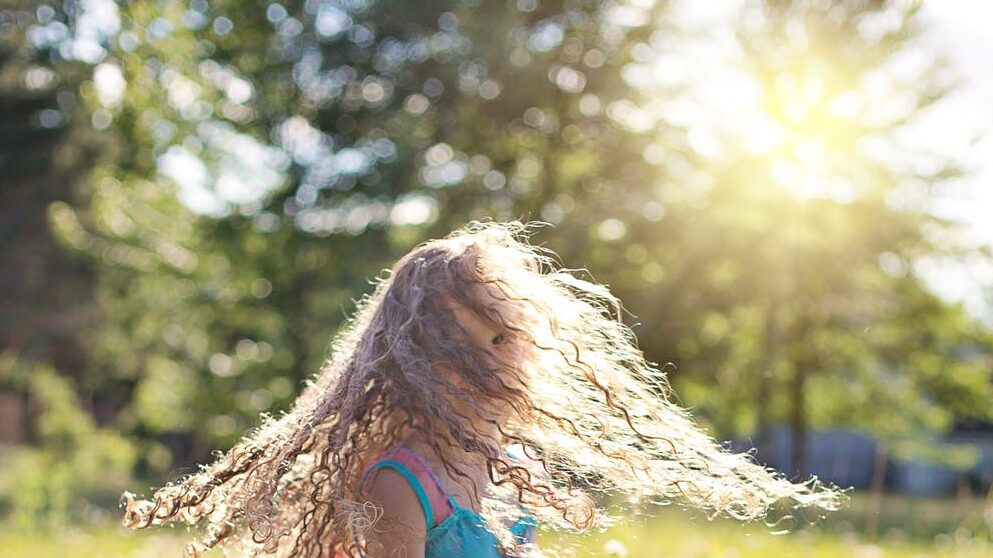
(400, 531)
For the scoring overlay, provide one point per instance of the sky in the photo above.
(962, 28)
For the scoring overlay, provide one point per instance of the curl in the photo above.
(571, 387)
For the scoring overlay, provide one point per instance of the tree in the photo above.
(788, 274)
(46, 150)
(48, 147)
(280, 156)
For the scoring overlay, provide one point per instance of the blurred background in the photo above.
(793, 200)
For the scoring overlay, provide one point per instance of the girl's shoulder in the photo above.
(412, 471)
(391, 490)
(398, 525)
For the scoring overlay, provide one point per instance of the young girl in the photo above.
(478, 392)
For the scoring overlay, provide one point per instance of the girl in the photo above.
(477, 392)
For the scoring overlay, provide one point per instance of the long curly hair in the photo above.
(579, 396)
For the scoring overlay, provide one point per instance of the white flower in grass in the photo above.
(614, 547)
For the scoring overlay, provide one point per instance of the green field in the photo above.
(907, 529)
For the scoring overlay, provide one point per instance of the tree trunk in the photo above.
(770, 356)
(798, 421)
(876, 492)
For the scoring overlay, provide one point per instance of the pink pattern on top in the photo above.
(432, 487)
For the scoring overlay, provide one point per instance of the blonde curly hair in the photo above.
(578, 394)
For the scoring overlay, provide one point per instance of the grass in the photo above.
(677, 536)
(908, 528)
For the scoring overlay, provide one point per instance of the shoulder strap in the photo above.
(423, 465)
(444, 503)
(422, 496)
(525, 529)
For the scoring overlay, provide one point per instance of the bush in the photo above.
(72, 462)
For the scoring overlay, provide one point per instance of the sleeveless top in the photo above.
(452, 530)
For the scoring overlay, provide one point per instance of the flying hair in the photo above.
(578, 394)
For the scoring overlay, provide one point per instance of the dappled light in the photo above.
(789, 198)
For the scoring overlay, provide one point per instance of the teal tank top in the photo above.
(461, 532)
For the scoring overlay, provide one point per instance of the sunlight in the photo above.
(818, 132)
(799, 112)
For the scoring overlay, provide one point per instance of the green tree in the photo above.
(47, 147)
